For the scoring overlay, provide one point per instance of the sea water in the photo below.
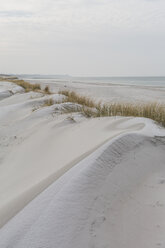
(141, 81)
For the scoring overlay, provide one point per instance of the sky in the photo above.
(83, 37)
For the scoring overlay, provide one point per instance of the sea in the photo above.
(142, 81)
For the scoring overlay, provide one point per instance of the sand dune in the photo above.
(114, 198)
(96, 182)
(47, 153)
(8, 89)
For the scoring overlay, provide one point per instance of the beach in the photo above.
(139, 91)
(71, 181)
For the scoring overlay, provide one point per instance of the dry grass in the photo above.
(26, 85)
(76, 98)
(47, 90)
(48, 102)
(154, 111)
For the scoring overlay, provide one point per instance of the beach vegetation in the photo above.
(47, 89)
(154, 111)
(74, 97)
(48, 102)
(26, 85)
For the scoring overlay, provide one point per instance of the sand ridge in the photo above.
(109, 198)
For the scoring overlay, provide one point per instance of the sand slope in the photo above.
(113, 198)
(47, 153)
(39, 146)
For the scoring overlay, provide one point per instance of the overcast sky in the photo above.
(83, 37)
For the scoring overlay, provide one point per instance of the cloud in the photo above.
(50, 27)
(10, 14)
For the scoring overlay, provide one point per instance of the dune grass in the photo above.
(90, 108)
(48, 102)
(154, 111)
(47, 90)
(76, 98)
(26, 85)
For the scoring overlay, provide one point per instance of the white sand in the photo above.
(112, 198)
(8, 89)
